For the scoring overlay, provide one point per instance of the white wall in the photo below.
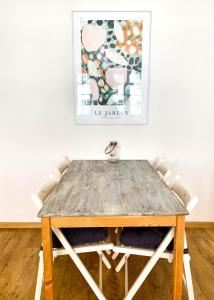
(37, 105)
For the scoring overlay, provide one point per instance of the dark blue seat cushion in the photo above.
(78, 236)
(144, 237)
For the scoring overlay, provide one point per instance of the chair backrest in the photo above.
(61, 168)
(44, 192)
(172, 180)
(162, 170)
(184, 195)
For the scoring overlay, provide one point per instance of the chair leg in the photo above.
(184, 279)
(150, 264)
(126, 276)
(188, 276)
(114, 255)
(170, 260)
(79, 264)
(39, 277)
(105, 259)
(100, 271)
(121, 262)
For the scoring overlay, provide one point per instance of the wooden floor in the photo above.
(19, 261)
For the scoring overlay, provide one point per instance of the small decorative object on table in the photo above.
(112, 151)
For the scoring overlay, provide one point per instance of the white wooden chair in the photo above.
(126, 244)
(165, 174)
(64, 247)
(61, 168)
(162, 170)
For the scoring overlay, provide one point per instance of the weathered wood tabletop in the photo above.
(101, 188)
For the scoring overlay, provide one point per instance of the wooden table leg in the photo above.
(178, 258)
(48, 258)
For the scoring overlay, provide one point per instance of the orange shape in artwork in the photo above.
(132, 37)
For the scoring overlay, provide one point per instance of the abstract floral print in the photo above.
(111, 60)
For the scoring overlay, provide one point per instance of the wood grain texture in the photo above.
(192, 224)
(18, 263)
(19, 250)
(178, 258)
(47, 258)
(100, 188)
(113, 221)
(20, 225)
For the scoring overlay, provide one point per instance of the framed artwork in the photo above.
(111, 67)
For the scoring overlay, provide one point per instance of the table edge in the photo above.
(115, 221)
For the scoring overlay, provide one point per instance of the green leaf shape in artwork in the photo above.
(107, 96)
(126, 92)
(131, 36)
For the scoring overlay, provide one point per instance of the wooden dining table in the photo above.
(98, 193)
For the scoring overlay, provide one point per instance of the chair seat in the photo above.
(79, 236)
(144, 237)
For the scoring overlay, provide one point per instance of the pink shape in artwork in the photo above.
(93, 37)
(116, 77)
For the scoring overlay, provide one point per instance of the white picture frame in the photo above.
(108, 89)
